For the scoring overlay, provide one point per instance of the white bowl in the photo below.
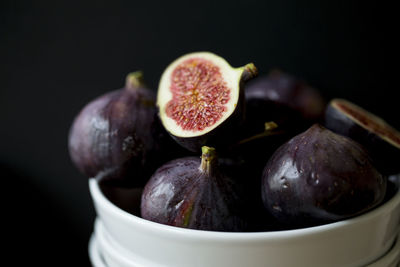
(390, 259)
(113, 254)
(94, 253)
(116, 256)
(354, 242)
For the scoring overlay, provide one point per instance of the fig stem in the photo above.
(134, 80)
(249, 71)
(260, 135)
(208, 159)
(269, 129)
(270, 125)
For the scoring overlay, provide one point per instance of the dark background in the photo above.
(55, 56)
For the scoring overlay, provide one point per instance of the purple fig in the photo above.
(200, 99)
(319, 177)
(193, 193)
(284, 99)
(375, 134)
(112, 138)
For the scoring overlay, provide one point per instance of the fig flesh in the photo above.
(319, 177)
(200, 99)
(375, 134)
(111, 138)
(284, 99)
(193, 193)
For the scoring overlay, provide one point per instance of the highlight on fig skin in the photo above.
(193, 193)
(200, 95)
(319, 177)
(111, 138)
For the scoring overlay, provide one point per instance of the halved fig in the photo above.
(200, 99)
(375, 134)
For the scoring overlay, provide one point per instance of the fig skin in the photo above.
(219, 134)
(193, 193)
(284, 99)
(113, 137)
(319, 177)
(255, 150)
(369, 131)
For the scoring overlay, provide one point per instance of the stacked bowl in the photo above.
(122, 238)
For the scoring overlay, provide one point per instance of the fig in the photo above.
(193, 193)
(200, 99)
(371, 131)
(284, 99)
(255, 150)
(319, 177)
(112, 137)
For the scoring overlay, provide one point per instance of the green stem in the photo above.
(208, 159)
(134, 80)
(269, 129)
(249, 71)
(260, 135)
(270, 125)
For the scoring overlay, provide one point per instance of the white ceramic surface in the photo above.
(355, 242)
(94, 253)
(390, 259)
(116, 256)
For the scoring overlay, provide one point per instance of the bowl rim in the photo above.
(131, 219)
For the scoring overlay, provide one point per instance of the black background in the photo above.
(55, 56)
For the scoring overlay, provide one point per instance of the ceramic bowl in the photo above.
(358, 241)
(390, 259)
(94, 252)
(113, 255)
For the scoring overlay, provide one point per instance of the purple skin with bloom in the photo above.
(319, 177)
